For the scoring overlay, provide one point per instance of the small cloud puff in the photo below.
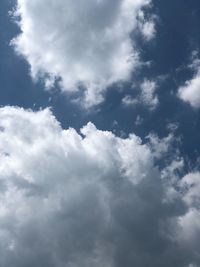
(147, 26)
(147, 96)
(190, 91)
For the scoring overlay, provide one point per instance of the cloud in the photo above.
(147, 26)
(190, 91)
(129, 101)
(139, 120)
(190, 229)
(84, 46)
(88, 199)
(147, 96)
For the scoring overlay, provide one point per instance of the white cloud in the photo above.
(190, 228)
(129, 101)
(57, 189)
(148, 30)
(191, 184)
(139, 120)
(172, 126)
(82, 44)
(147, 96)
(147, 27)
(159, 146)
(190, 92)
(89, 199)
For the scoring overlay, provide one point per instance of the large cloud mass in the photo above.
(83, 44)
(90, 199)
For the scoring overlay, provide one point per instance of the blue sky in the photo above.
(80, 50)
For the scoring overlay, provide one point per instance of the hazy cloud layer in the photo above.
(85, 45)
(91, 199)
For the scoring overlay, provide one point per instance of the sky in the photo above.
(99, 133)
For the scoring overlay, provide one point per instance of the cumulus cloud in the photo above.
(83, 45)
(190, 229)
(147, 26)
(190, 91)
(72, 199)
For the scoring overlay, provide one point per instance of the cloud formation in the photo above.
(147, 96)
(147, 26)
(190, 91)
(84, 46)
(89, 199)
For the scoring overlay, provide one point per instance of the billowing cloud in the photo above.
(83, 45)
(89, 199)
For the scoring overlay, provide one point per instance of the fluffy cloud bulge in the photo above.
(83, 45)
(90, 199)
(190, 92)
